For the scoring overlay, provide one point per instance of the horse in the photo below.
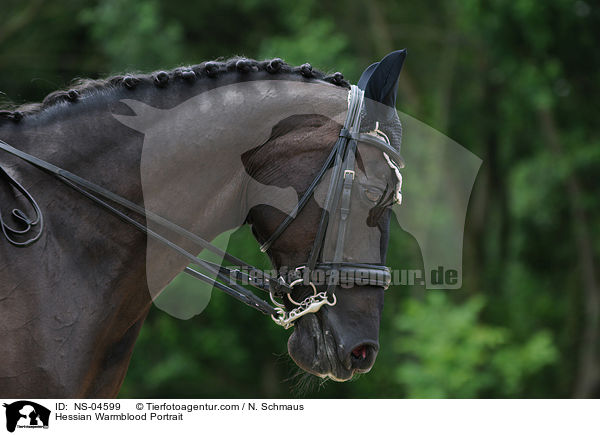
(74, 297)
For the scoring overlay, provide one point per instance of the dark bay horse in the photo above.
(72, 304)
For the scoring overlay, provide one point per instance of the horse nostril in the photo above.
(360, 352)
(363, 356)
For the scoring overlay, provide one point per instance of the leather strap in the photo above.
(13, 235)
(301, 203)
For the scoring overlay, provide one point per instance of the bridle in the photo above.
(341, 161)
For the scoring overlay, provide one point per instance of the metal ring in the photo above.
(280, 320)
(289, 295)
(296, 282)
(334, 300)
(277, 304)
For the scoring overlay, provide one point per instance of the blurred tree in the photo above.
(133, 35)
(448, 353)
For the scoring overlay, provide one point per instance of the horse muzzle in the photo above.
(342, 340)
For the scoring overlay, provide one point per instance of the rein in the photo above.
(342, 159)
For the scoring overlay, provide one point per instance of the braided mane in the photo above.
(211, 69)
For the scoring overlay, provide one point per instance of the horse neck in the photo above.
(90, 269)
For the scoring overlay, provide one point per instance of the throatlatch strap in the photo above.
(301, 203)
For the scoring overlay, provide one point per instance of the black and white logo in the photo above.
(25, 414)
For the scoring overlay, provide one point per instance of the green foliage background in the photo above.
(516, 82)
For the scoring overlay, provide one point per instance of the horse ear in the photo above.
(380, 80)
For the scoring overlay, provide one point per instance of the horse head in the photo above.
(340, 339)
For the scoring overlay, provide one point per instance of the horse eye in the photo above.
(373, 195)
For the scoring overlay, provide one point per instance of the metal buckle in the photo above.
(349, 172)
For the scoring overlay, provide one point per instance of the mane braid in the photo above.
(211, 69)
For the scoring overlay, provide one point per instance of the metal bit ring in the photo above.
(296, 282)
